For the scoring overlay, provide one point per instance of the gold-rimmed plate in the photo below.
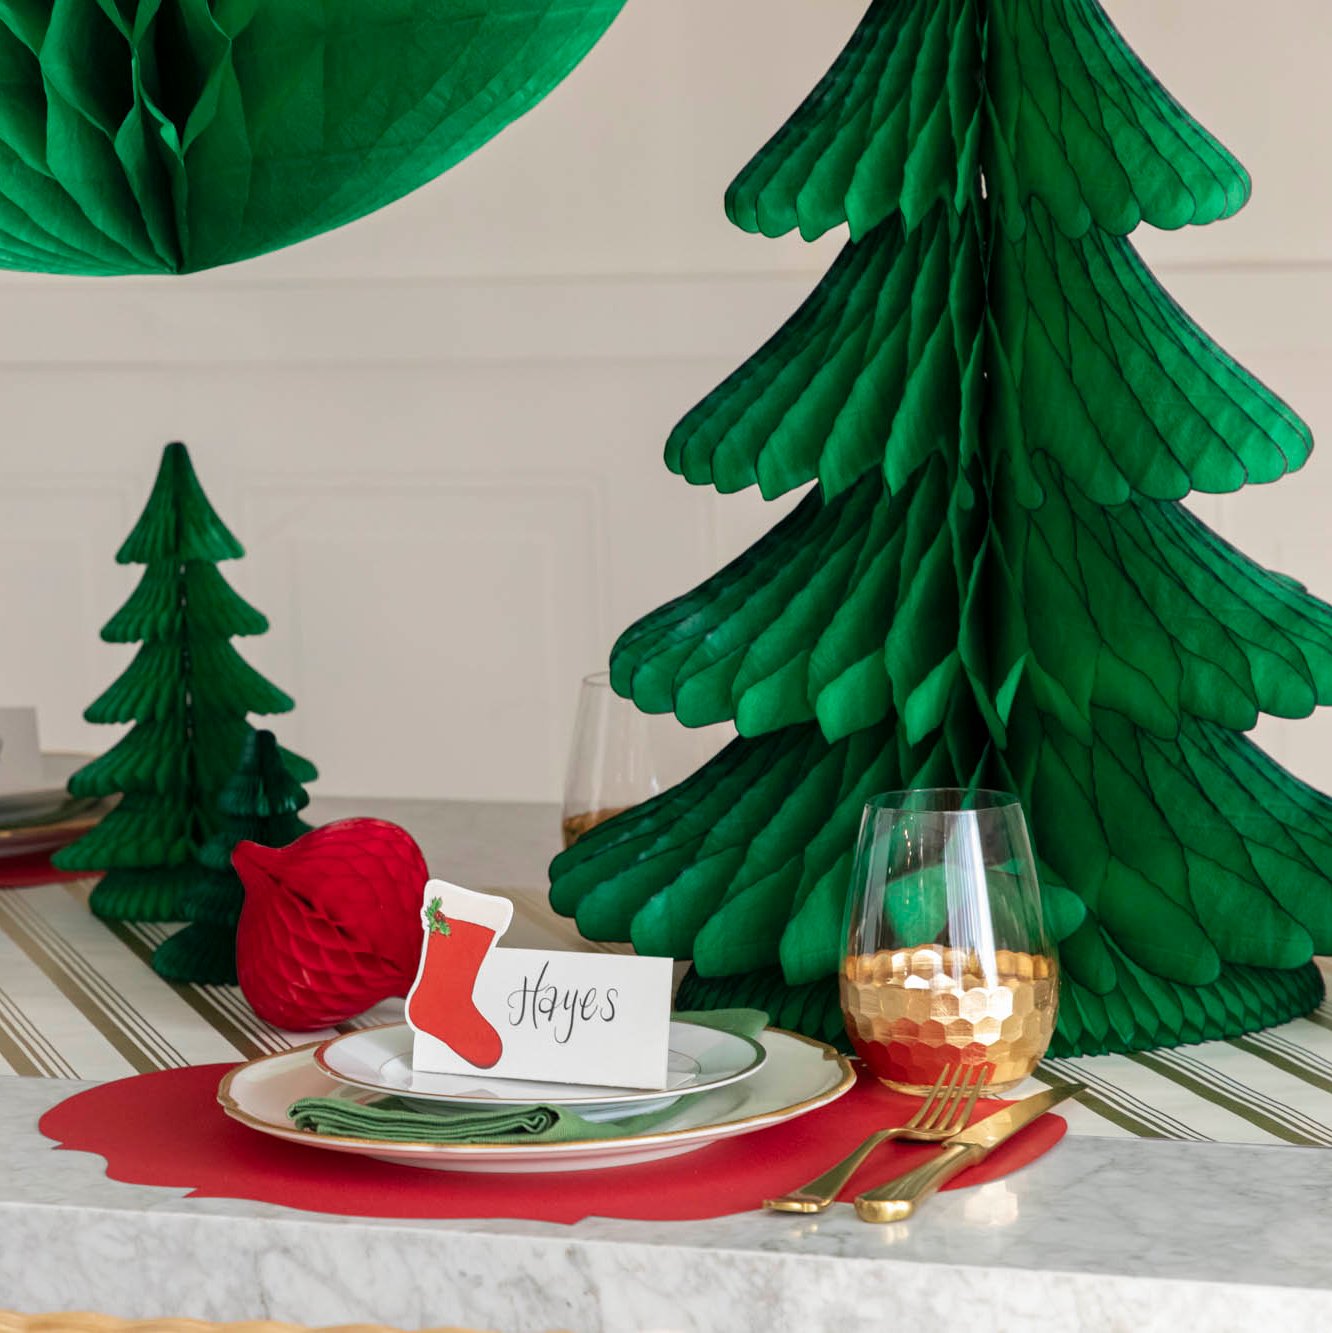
(798, 1076)
(51, 835)
(379, 1059)
(45, 817)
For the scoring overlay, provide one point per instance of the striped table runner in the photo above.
(79, 1000)
(1271, 1087)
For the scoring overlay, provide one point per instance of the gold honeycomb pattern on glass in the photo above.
(911, 1013)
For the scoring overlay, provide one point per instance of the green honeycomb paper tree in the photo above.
(188, 693)
(260, 803)
(992, 580)
(169, 136)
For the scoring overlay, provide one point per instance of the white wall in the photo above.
(439, 430)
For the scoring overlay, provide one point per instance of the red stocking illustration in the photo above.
(461, 928)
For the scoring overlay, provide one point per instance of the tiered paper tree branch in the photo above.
(260, 803)
(992, 581)
(187, 690)
(166, 136)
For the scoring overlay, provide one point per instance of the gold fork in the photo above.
(945, 1110)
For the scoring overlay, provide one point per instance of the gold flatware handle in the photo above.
(822, 1190)
(898, 1199)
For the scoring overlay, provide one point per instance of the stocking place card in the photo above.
(592, 1018)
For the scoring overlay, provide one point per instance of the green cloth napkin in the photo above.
(738, 1022)
(392, 1120)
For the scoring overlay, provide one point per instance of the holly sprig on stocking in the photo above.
(436, 923)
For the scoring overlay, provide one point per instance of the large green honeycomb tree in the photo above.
(992, 579)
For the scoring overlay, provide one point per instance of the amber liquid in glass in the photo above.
(912, 1013)
(574, 826)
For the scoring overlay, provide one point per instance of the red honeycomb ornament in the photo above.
(331, 923)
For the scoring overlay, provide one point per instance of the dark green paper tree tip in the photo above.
(188, 694)
(992, 581)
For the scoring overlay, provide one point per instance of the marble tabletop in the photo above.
(1100, 1234)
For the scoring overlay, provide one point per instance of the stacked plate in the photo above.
(719, 1085)
(45, 817)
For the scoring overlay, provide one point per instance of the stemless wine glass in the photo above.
(611, 764)
(947, 960)
(621, 756)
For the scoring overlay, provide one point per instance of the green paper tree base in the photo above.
(990, 581)
(140, 895)
(202, 954)
(1243, 1000)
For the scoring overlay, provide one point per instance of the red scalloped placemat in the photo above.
(167, 1129)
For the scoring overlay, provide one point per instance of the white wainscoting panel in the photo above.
(408, 603)
(58, 585)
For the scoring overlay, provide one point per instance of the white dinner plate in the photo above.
(798, 1076)
(701, 1059)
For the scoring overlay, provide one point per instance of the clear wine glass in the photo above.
(947, 957)
(621, 756)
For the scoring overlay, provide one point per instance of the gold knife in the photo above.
(899, 1198)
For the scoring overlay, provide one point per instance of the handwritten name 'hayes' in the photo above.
(559, 1008)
